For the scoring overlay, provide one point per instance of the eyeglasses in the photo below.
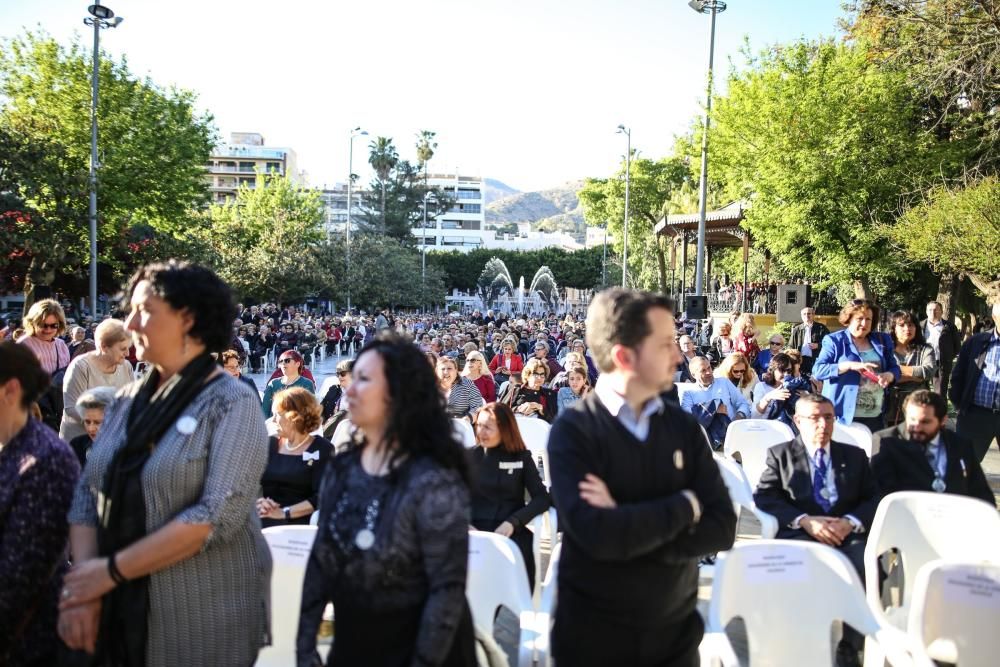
(49, 325)
(341, 374)
(775, 342)
(285, 361)
(539, 374)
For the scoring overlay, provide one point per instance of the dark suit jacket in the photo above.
(967, 370)
(901, 465)
(785, 489)
(948, 344)
(819, 330)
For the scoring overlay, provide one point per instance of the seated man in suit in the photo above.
(821, 490)
(920, 454)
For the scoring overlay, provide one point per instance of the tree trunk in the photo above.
(990, 288)
(862, 288)
(383, 207)
(661, 265)
(40, 275)
(947, 291)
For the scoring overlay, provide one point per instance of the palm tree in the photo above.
(425, 150)
(382, 156)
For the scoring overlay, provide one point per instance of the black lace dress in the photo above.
(391, 554)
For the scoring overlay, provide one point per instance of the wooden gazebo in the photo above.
(722, 229)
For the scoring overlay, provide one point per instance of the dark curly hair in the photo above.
(418, 420)
(195, 288)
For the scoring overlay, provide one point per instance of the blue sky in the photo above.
(525, 91)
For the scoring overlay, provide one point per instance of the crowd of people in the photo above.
(138, 471)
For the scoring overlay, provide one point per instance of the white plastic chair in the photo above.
(956, 612)
(535, 433)
(547, 607)
(788, 594)
(290, 547)
(741, 494)
(925, 526)
(855, 434)
(496, 578)
(342, 435)
(545, 525)
(752, 438)
(464, 432)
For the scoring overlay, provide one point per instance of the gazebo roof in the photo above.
(722, 227)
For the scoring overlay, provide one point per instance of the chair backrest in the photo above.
(855, 434)
(741, 493)
(342, 435)
(955, 612)
(752, 438)
(926, 526)
(464, 432)
(788, 594)
(496, 578)
(535, 433)
(683, 388)
(290, 547)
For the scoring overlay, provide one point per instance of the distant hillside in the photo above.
(495, 189)
(555, 209)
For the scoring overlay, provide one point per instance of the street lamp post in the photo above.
(628, 176)
(356, 132)
(604, 261)
(712, 7)
(103, 17)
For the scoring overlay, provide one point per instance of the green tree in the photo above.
(652, 184)
(265, 241)
(153, 148)
(386, 273)
(383, 158)
(825, 146)
(426, 145)
(401, 198)
(957, 228)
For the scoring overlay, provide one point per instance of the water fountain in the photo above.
(544, 289)
(494, 281)
(520, 295)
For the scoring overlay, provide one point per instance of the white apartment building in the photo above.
(462, 227)
(236, 163)
(335, 208)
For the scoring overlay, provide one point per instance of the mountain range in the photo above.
(554, 209)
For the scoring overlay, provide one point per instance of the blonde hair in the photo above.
(39, 310)
(743, 321)
(484, 367)
(109, 332)
(299, 406)
(724, 369)
(531, 364)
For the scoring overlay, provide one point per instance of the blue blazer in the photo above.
(843, 389)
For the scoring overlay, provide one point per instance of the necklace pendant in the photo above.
(938, 485)
(365, 539)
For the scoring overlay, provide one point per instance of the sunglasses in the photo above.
(341, 374)
(285, 361)
(539, 374)
(46, 325)
(774, 343)
(738, 372)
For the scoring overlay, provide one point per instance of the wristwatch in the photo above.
(288, 513)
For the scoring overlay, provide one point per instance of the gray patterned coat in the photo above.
(213, 608)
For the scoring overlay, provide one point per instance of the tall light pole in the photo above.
(604, 261)
(628, 177)
(712, 7)
(356, 132)
(103, 17)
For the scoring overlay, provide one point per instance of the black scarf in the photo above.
(122, 636)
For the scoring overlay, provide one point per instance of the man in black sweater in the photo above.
(639, 497)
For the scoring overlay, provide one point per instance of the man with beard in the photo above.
(920, 454)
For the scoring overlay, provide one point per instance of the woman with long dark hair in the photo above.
(504, 471)
(392, 543)
(170, 567)
(917, 364)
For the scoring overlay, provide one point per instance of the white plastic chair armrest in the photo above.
(768, 523)
(899, 648)
(714, 647)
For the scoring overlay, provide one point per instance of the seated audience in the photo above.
(90, 408)
(714, 402)
(503, 474)
(920, 454)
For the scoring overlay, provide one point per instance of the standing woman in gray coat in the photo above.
(170, 567)
(917, 364)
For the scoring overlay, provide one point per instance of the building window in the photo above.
(466, 193)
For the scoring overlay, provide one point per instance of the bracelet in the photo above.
(114, 572)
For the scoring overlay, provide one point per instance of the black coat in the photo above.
(948, 344)
(819, 331)
(968, 368)
(902, 465)
(500, 481)
(785, 489)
